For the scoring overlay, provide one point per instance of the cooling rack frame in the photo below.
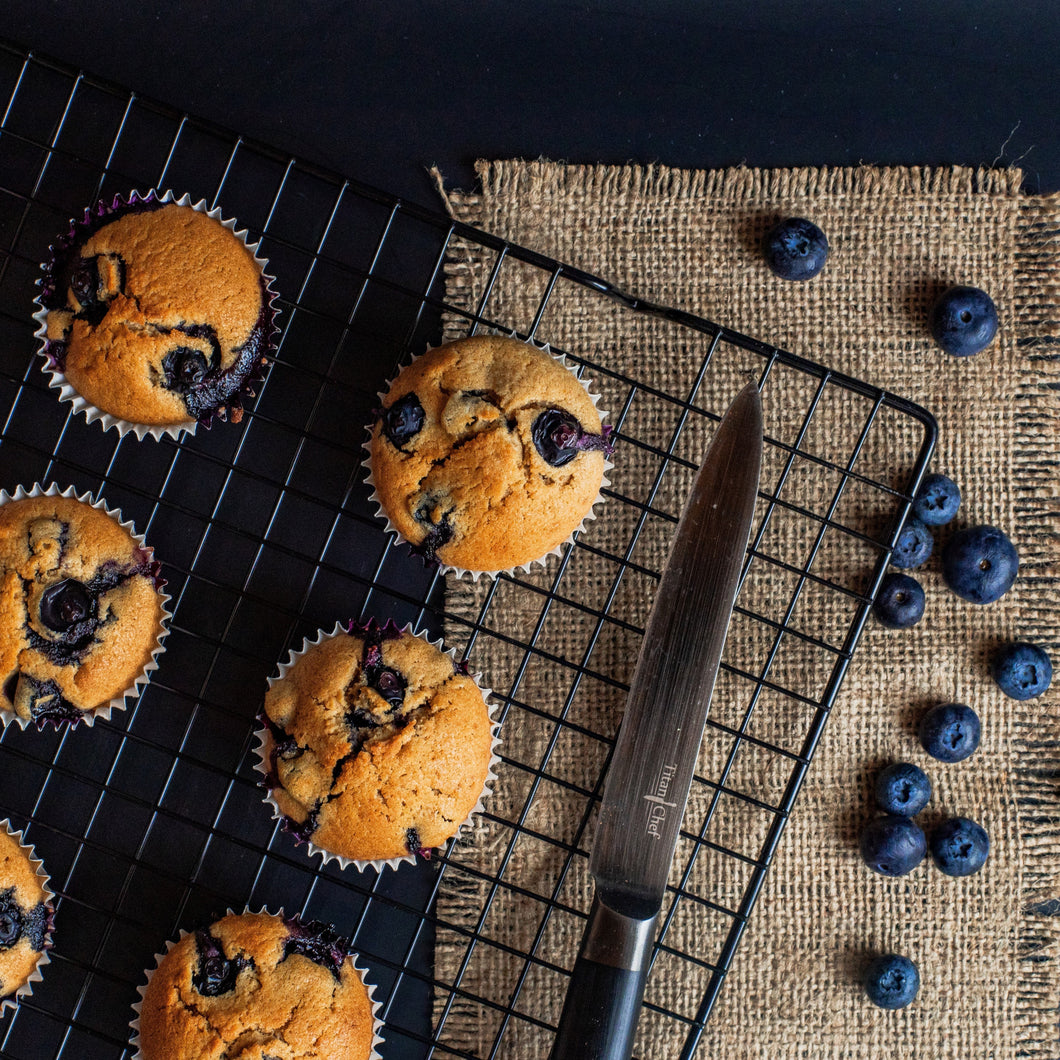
(152, 821)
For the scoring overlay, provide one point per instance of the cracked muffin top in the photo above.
(157, 314)
(487, 454)
(80, 610)
(254, 986)
(25, 915)
(376, 744)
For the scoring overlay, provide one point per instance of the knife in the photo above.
(658, 742)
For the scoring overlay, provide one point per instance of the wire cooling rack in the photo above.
(153, 821)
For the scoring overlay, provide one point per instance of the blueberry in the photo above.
(900, 601)
(959, 847)
(184, 367)
(215, 974)
(386, 681)
(319, 942)
(892, 981)
(950, 732)
(913, 546)
(390, 685)
(439, 533)
(979, 564)
(937, 500)
(43, 699)
(10, 919)
(796, 249)
(892, 845)
(1022, 670)
(963, 320)
(403, 420)
(84, 285)
(65, 604)
(902, 788)
(559, 437)
(412, 841)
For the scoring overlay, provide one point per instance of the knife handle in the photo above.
(606, 989)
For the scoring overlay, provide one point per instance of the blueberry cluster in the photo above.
(894, 844)
(979, 563)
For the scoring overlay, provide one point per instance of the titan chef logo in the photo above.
(658, 806)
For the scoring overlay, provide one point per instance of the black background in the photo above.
(381, 91)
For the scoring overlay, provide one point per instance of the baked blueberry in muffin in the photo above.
(487, 454)
(81, 612)
(258, 985)
(376, 744)
(156, 313)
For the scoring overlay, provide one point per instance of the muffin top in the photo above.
(487, 453)
(254, 986)
(377, 744)
(80, 612)
(157, 314)
(24, 915)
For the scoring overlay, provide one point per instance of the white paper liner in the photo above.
(377, 1023)
(89, 717)
(67, 391)
(262, 765)
(461, 572)
(12, 1000)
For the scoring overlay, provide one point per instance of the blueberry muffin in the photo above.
(376, 744)
(257, 986)
(81, 612)
(156, 313)
(487, 454)
(25, 913)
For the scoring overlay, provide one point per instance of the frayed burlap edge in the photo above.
(1037, 505)
(531, 180)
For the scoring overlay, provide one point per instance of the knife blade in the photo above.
(658, 742)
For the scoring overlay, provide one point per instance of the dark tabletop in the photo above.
(382, 90)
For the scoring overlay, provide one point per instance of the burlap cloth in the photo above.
(986, 945)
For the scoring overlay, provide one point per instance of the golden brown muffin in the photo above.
(254, 986)
(157, 314)
(80, 609)
(487, 454)
(376, 744)
(25, 914)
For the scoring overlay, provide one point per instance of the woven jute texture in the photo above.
(986, 945)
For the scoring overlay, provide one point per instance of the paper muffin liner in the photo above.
(462, 572)
(262, 765)
(12, 1000)
(353, 958)
(233, 407)
(104, 710)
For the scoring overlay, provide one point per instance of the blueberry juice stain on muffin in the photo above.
(157, 313)
(487, 454)
(80, 610)
(261, 985)
(376, 744)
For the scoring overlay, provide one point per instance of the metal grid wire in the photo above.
(154, 822)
